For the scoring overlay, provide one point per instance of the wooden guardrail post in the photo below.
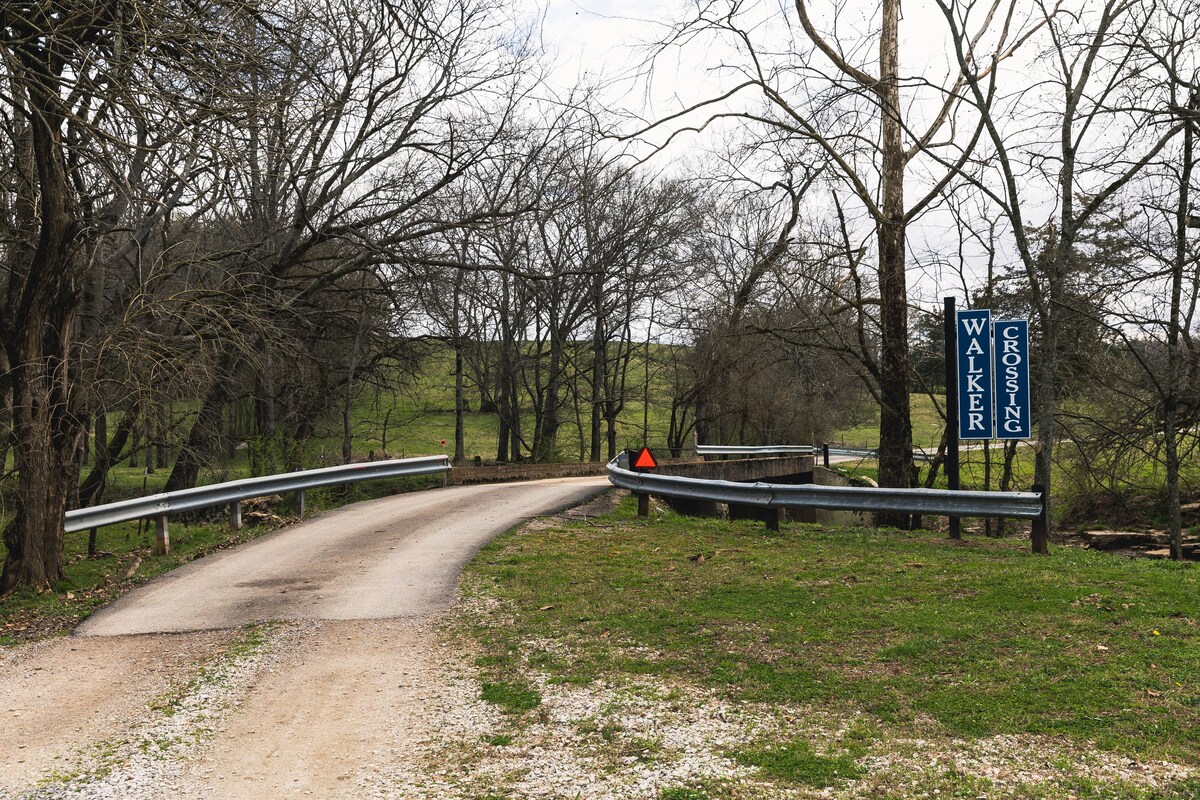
(1040, 533)
(162, 536)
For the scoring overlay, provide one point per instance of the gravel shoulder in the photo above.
(336, 708)
(60, 695)
(189, 687)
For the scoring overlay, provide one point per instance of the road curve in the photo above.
(396, 557)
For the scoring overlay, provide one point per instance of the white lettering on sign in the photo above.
(1012, 376)
(976, 381)
(974, 326)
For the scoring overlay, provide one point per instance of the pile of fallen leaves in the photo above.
(56, 613)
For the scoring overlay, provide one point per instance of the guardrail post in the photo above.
(825, 455)
(643, 504)
(771, 517)
(300, 503)
(235, 515)
(1040, 534)
(162, 536)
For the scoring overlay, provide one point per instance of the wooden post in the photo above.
(643, 504)
(950, 331)
(825, 455)
(300, 503)
(235, 515)
(1040, 535)
(162, 536)
(771, 517)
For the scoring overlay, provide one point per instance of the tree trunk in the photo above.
(348, 399)
(895, 424)
(136, 447)
(47, 426)
(149, 444)
(45, 455)
(1040, 538)
(161, 439)
(515, 426)
(502, 407)
(610, 423)
(549, 422)
(5, 410)
(91, 491)
(201, 441)
(1174, 388)
(599, 369)
(460, 450)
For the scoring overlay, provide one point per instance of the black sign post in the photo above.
(643, 461)
(950, 328)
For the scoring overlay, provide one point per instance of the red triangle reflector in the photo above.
(645, 460)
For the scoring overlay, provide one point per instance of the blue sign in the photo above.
(975, 420)
(1013, 420)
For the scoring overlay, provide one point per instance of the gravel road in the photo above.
(162, 694)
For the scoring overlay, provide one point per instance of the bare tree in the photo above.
(1087, 56)
(101, 103)
(364, 117)
(855, 111)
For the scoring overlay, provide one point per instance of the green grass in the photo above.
(499, 740)
(796, 762)
(926, 421)
(680, 793)
(905, 627)
(421, 409)
(510, 697)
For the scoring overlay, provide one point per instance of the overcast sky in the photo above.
(608, 42)
(603, 41)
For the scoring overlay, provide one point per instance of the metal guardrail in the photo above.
(853, 452)
(746, 450)
(794, 449)
(859, 452)
(939, 502)
(159, 506)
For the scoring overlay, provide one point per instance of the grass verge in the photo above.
(923, 638)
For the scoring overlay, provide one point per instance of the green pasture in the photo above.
(914, 636)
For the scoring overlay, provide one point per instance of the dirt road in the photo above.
(161, 694)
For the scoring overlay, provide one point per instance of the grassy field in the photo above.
(1080, 656)
(926, 421)
(416, 415)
